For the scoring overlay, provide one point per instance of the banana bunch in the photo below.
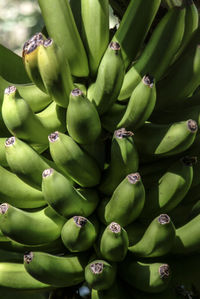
(100, 153)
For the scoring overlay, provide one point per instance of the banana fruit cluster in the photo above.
(100, 153)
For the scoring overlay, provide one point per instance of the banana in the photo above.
(3, 161)
(82, 119)
(114, 243)
(21, 120)
(181, 81)
(16, 192)
(58, 271)
(55, 72)
(30, 228)
(127, 201)
(158, 239)
(109, 79)
(159, 51)
(78, 234)
(24, 161)
(140, 105)
(166, 193)
(15, 277)
(30, 59)
(53, 117)
(73, 161)
(187, 237)
(124, 160)
(164, 140)
(95, 30)
(134, 28)
(35, 97)
(100, 274)
(112, 117)
(62, 29)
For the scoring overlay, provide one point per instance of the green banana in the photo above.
(30, 228)
(30, 59)
(16, 192)
(34, 96)
(159, 51)
(21, 120)
(140, 105)
(164, 140)
(187, 237)
(73, 161)
(114, 243)
(15, 277)
(151, 277)
(100, 274)
(158, 239)
(62, 29)
(24, 161)
(134, 28)
(58, 271)
(55, 72)
(95, 30)
(112, 117)
(124, 160)
(78, 234)
(82, 119)
(110, 75)
(166, 193)
(62, 196)
(127, 201)
(3, 161)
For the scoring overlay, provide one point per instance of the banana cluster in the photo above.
(99, 154)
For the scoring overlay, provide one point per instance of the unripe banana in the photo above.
(62, 29)
(134, 28)
(157, 240)
(62, 196)
(78, 234)
(166, 193)
(73, 161)
(140, 105)
(165, 140)
(30, 58)
(109, 79)
(100, 275)
(126, 202)
(124, 160)
(25, 162)
(30, 228)
(58, 271)
(82, 119)
(55, 72)
(114, 243)
(147, 277)
(95, 30)
(21, 120)
(160, 49)
(14, 277)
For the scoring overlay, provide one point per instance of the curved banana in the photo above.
(58, 271)
(109, 79)
(95, 30)
(82, 119)
(134, 28)
(30, 228)
(55, 72)
(62, 29)
(159, 51)
(140, 105)
(73, 161)
(124, 160)
(64, 198)
(114, 243)
(158, 238)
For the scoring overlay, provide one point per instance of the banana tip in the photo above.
(163, 219)
(3, 208)
(80, 221)
(53, 136)
(10, 89)
(28, 257)
(133, 178)
(115, 227)
(164, 271)
(96, 268)
(10, 141)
